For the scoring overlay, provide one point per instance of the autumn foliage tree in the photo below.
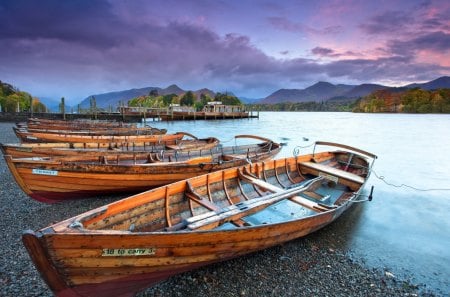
(12, 100)
(410, 101)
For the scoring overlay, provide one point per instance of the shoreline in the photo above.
(315, 265)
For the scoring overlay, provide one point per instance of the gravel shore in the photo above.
(316, 265)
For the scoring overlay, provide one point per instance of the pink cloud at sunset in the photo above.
(252, 48)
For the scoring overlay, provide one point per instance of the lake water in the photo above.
(403, 230)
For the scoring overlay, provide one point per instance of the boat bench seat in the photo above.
(233, 157)
(311, 167)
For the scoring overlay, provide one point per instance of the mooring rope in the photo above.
(382, 178)
(296, 150)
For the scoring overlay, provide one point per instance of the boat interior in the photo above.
(258, 194)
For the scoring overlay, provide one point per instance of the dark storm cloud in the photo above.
(91, 23)
(87, 47)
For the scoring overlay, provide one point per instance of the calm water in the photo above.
(403, 230)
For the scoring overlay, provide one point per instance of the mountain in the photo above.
(324, 91)
(52, 104)
(439, 83)
(113, 98)
(247, 100)
(205, 91)
(172, 89)
(363, 90)
(320, 91)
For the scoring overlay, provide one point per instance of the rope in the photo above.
(229, 140)
(382, 178)
(296, 150)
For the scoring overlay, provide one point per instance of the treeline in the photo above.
(409, 101)
(331, 105)
(12, 100)
(153, 99)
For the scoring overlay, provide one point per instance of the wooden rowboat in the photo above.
(27, 137)
(26, 150)
(39, 135)
(126, 246)
(58, 178)
(21, 132)
(73, 124)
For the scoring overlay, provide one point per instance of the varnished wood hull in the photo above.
(91, 131)
(28, 150)
(77, 124)
(27, 137)
(61, 178)
(178, 253)
(124, 247)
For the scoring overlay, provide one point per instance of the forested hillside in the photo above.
(12, 99)
(410, 101)
(153, 99)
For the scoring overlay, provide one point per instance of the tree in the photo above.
(11, 99)
(187, 99)
(153, 93)
(167, 99)
(227, 99)
(38, 106)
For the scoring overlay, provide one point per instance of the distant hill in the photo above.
(440, 83)
(247, 100)
(113, 98)
(52, 104)
(324, 91)
(363, 90)
(319, 92)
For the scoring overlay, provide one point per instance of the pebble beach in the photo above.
(316, 265)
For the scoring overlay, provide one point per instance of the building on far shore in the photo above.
(217, 106)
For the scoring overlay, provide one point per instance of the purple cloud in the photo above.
(434, 41)
(387, 22)
(86, 47)
(327, 52)
(321, 51)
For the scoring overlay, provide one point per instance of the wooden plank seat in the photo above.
(314, 168)
(234, 157)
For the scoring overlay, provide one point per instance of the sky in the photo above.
(78, 48)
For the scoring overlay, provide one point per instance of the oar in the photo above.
(236, 211)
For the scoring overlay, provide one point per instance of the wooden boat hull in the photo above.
(124, 247)
(57, 179)
(76, 123)
(29, 150)
(144, 271)
(28, 137)
(59, 183)
(91, 131)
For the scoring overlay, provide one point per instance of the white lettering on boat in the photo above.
(329, 177)
(128, 252)
(44, 172)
